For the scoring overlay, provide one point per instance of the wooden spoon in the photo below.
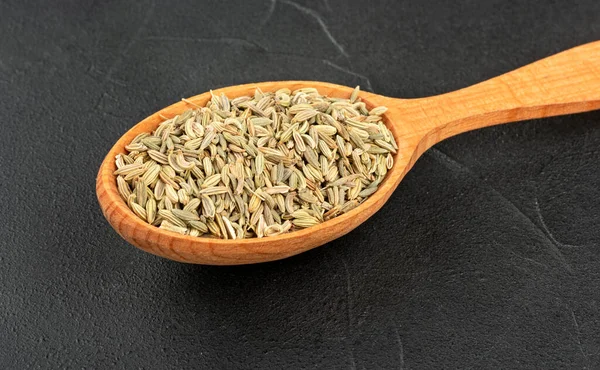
(568, 82)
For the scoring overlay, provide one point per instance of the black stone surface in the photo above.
(487, 255)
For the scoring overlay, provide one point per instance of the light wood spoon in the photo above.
(568, 82)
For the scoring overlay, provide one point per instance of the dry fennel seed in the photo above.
(256, 166)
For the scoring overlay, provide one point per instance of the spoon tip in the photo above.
(212, 251)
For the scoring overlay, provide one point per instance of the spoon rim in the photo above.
(112, 203)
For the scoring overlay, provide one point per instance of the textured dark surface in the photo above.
(487, 255)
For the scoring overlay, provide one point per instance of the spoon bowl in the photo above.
(565, 83)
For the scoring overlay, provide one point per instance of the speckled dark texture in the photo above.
(487, 255)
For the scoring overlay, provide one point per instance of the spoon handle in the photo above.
(568, 82)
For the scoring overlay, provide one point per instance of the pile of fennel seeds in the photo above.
(256, 166)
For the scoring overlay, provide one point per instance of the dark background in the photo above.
(487, 255)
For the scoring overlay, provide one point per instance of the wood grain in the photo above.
(565, 83)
